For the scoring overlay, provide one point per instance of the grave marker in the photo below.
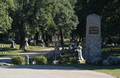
(93, 37)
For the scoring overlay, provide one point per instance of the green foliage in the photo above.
(5, 19)
(109, 15)
(18, 60)
(65, 60)
(40, 60)
(73, 60)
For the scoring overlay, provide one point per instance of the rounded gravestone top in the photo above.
(93, 15)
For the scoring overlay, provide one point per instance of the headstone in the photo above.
(34, 42)
(116, 44)
(69, 47)
(13, 44)
(113, 44)
(93, 37)
(34, 62)
(52, 54)
(27, 59)
(75, 45)
(26, 43)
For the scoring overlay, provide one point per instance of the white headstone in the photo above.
(26, 43)
(13, 44)
(93, 37)
(27, 59)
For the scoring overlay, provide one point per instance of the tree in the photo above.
(5, 19)
(107, 10)
(65, 18)
(43, 19)
(21, 17)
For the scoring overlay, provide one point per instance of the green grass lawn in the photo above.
(10, 51)
(112, 70)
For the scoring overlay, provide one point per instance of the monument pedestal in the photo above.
(93, 37)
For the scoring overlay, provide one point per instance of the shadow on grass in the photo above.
(92, 67)
(7, 49)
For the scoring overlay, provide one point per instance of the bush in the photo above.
(73, 60)
(40, 60)
(113, 60)
(18, 60)
(63, 60)
(97, 61)
(106, 63)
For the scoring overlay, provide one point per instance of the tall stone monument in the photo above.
(93, 37)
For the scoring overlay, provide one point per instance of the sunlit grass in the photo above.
(7, 50)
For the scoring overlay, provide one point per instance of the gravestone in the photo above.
(34, 42)
(93, 37)
(52, 54)
(26, 43)
(27, 59)
(13, 44)
(69, 47)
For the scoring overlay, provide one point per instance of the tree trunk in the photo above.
(22, 43)
(46, 40)
(61, 34)
(43, 37)
(50, 38)
(22, 37)
(58, 38)
(36, 37)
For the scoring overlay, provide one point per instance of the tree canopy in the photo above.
(5, 19)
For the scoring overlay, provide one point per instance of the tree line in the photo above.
(21, 18)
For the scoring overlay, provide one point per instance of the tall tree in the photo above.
(107, 10)
(65, 18)
(21, 17)
(5, 19)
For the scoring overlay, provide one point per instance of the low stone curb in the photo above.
(4, 64)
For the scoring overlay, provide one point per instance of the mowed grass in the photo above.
(10, 51)
(112, 70)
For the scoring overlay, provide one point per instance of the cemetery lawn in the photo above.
(112, 70)
(10, 51)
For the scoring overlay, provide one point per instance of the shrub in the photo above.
(73, 60)
(65, 60)
(97, 61)
(113, 60)
(106, 63)
(40, 60)
(18, 60)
